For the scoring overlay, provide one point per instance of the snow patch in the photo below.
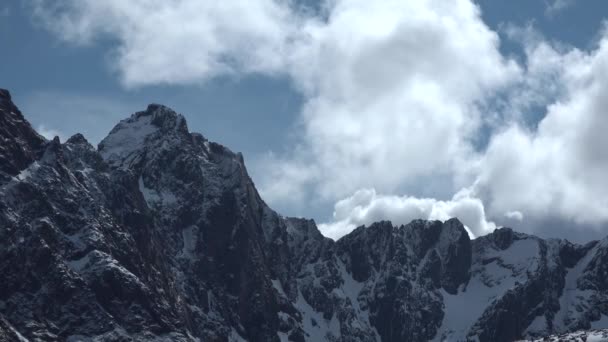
(190, 239)
(283, 336)
(538, 326)
(79, 264)
(351, 289)
(28, 171)
(277, 286)
(126, 138)
(315, 326)
(235, 337)
(597, 336)
(572, 296)
(154, 197)
(488, 283)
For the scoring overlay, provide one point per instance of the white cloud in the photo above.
(396, 94)
(559, 169)
(391, 91)
(515, 215)
(179, 41)
(386, 83)
(553, 7)
(365, 207)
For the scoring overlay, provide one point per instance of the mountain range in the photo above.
(158, 234)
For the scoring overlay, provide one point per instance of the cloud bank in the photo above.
(366, 207)
(401, 97)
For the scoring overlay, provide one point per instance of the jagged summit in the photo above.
(77, 139)
(165, 118)
(142, 131)
(5, 94)
(159, 234)
(20, 145)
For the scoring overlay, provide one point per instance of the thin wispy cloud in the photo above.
(5, 11)
(50, 133)
(553, 7)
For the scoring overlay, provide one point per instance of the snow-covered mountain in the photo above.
(160, 235)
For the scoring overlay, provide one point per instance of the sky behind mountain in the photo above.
(347, 111)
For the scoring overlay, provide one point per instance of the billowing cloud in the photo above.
(559, 168)
(365, 207)
(178, 41)
(391, 88)
(397, 97)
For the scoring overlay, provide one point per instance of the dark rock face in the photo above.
(20, 145)
(159, 234)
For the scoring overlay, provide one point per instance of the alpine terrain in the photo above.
(158, 234)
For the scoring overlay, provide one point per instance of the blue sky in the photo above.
(68, 79)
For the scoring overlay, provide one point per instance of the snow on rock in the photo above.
(154, 197)
(190, 238)
(572, 296)
(578, 336)
(315, 326)
(126, 140)
(27, 172)
(160, 235)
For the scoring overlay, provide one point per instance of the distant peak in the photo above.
(503, 237)
(152, 107)
(7, 103)
(164, 117)
(53, 151)
(77, 139)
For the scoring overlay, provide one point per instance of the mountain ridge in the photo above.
(160, 234)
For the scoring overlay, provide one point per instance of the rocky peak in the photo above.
(81, 155)
(454, 248)
(161, 235)
(503, 237)
(301, 229)
(78, 139)
(20, 145)
(53, 151)
(158, 127)
(165, 118)
(5, 97)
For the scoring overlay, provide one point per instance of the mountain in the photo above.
(160, 235)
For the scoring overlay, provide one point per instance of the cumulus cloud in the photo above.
(514, 215)
(178, 41)
(365, 207)
(559, 168)
(391, 89)
(396, 96)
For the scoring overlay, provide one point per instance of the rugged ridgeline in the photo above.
(160, 234)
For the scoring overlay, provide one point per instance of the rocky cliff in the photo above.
(160, 235)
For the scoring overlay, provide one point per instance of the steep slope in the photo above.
(20, 145)
(160, 234)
